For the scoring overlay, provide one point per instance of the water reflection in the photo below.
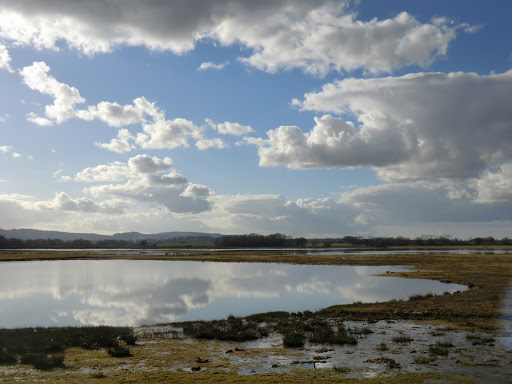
(133, 292)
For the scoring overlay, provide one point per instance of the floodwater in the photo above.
(135, 292)
(291, 251)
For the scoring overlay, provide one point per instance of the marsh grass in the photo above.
(382, 347)
(119, 351)
(294, 339)
(342, 369)
(440, 348)
(43, 361)
(44, 348)
(402, 339)
(421, 297)
(361, 331)
(325, 334)
(479, 339)
(231, 329)
(422, 359)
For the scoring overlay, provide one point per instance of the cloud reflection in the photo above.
(131, 292)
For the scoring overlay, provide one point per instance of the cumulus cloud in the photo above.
(494, 186)
(422, 125)
(229, 128)
(316, 36)
(120, 145)
(115, 171)
(147, 164)
(196, 190)
(326, 38)
(157, 131)
(61, 203)
(64, 202)
(150, 180)
(210, 143)
(209, 65)
(117, 115)
(65, 97)
(168, 134)
(5, 59)
(335, 142)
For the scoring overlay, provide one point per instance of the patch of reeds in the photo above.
(402, 339)
(382, 347)
(231, 329)
(294, 339)
(44, 348)
(119, 351)
(421, 297)
(479, 339)
(440, 348)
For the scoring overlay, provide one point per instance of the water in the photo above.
(135, 292)
(291, 251)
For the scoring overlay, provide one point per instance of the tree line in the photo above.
(276, 240)
(280, 240)
(58, 243)
(256, 240)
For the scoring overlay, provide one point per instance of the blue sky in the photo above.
(310, 118)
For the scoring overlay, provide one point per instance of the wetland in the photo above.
(462, 336)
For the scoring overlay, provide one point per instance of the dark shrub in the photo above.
(43, 362)
(7, 358)
(294, 339)
(119, 351)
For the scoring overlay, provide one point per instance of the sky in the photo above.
(306, 117)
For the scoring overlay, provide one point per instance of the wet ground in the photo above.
(393, 346)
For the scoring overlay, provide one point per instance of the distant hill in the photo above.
(34, 234)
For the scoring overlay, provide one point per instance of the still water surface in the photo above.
(134, 292)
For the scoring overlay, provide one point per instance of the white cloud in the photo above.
(167, 134)
(116, 171)
(210, 143)
(15, 155)
(150, 180)
(5, 148)
(65, 97)
(209, 65)
(5, 59)
(335, 142)
(33, 118)
(494, 186)
(44, 210)
(144, 164)
(316, 36)
(121, 144)
(64, 202)
(114, 114)
(228, 128)
(158, 132)
(423, 125)
(325, 38)
(197, 190)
